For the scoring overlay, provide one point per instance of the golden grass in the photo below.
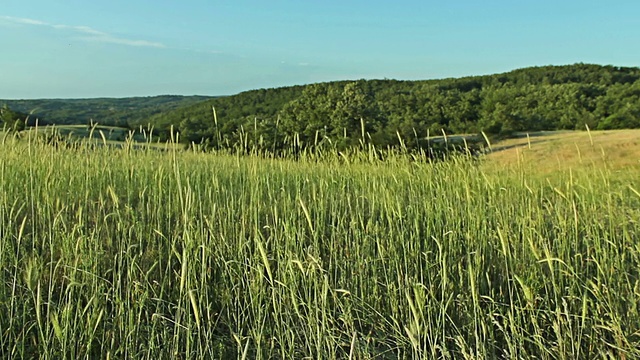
(546, 153)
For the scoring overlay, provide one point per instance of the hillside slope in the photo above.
(548, 152)
(531, 99)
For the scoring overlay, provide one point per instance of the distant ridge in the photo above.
(108, 111)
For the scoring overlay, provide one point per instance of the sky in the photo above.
(118, 48)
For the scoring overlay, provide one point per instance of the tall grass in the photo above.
(121, 253)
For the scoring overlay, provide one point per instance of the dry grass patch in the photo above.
(556, 151)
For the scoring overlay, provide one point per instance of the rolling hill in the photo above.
(386, 113)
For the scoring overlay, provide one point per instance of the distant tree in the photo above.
(194, 130)
(355, 112)
(309, 115)
(12, 120)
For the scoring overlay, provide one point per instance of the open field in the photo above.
(110, 253)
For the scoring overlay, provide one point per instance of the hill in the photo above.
(384, 111)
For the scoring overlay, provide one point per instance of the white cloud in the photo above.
(23, 21)
(120, 41)
(81, 29)
(93, 34)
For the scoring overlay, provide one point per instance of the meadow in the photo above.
(116, 253)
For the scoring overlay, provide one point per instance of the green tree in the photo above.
(309, 115)
(355, 114)
(12, 120)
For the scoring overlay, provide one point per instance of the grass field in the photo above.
(98, 132)
(110, 136)
(548, 152)
(527, 253)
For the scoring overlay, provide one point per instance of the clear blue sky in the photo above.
(117, 48)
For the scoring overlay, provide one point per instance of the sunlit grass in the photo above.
(557, 151)
(122, 253)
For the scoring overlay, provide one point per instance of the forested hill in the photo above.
(536, 98)
(377, 111)
(123, 112)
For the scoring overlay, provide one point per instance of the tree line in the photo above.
(386, 113)
(11, 120)
(392, 112)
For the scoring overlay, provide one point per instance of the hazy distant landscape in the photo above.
(489, 217)
(123, 112)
